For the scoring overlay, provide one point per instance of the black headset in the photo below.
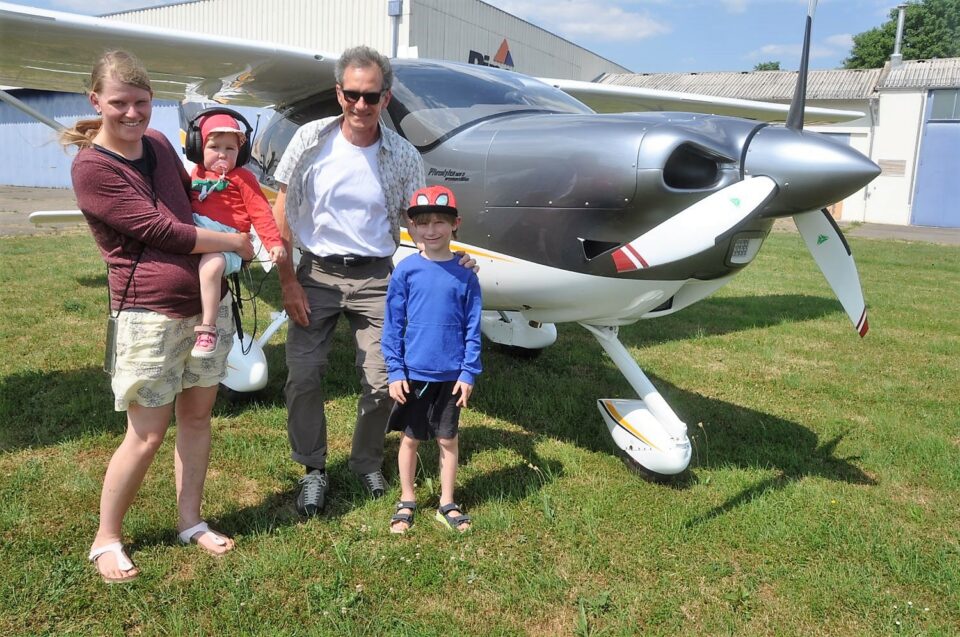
(194, 146)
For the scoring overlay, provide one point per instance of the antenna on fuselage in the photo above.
(795, 115)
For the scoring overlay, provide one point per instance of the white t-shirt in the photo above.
(349, 208)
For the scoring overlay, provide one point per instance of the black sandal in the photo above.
(403, 517)
(452, 522)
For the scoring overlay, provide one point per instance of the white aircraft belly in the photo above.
(552, 295)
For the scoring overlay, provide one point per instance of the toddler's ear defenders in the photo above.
(194, 146)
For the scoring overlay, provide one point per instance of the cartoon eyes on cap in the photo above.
(442, 200)
(422, 200)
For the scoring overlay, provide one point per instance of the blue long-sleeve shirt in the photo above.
(431, 330)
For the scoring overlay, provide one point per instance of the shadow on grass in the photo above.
(551, 397)
(554, 396)
(45, 408)
(728, 314)
(273, 512)
(820, 462)
(94, 281)
(733, 436)
(515, 481)
(727, 434)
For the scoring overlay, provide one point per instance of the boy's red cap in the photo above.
(219, 123)
(433, 199)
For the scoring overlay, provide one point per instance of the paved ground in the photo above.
(17, 202)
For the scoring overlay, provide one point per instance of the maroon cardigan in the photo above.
(118, 203)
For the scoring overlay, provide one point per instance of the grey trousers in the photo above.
(359, 293)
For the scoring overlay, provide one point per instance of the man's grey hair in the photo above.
(363, 57)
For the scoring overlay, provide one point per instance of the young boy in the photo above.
(431, 346)
(225, 197)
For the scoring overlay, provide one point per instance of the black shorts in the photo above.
(430, 411)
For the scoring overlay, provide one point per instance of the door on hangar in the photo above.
(936, 194)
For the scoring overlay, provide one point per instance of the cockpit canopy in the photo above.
(433, 100)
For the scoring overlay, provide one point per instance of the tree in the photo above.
(931, 30)
(767, 66)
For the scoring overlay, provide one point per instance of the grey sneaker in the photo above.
(313, 493)
(375, 484)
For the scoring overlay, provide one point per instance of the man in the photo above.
(344, 185)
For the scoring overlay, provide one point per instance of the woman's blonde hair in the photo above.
(120, 66)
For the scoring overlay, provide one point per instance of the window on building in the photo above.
(946, 104)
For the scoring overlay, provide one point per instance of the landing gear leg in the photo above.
(650, 435)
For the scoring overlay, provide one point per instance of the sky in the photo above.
(658, 36)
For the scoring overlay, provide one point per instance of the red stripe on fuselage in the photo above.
(634, 252)
(623, 262)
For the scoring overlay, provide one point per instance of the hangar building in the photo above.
(457, 30)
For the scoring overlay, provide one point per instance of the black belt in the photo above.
(349, 260)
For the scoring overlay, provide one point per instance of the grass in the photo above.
(822, 499)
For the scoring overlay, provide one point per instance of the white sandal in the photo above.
(187, 537)
(123, 562)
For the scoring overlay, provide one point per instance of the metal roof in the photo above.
(924, 74)
(758, 85)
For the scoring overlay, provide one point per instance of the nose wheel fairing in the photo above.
(643, 439)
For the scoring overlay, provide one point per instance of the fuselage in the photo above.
(547, 189)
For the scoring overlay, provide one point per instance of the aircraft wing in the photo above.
(55, 51)
(612, 98)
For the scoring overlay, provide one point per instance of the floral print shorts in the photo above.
(153, 356)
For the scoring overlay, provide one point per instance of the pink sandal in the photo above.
(206, 343)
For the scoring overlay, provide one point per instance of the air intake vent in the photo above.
(691, 168)
(593, 249)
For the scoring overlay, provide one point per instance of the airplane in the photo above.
(576, 213)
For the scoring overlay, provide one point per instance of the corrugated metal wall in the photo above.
(31, 154)
(450, 29)
(326, 26)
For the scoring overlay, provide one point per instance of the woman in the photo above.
(132, 189)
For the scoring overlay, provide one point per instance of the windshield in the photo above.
(433, 100)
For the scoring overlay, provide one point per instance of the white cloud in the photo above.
(841, 41)
(768, 51)
(735, 6)
(830, 47)
(586, 19)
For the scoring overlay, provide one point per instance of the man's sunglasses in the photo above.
(354, 96)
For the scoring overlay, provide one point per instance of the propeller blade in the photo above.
(832, 254)
(799, 101)
(697, 228)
